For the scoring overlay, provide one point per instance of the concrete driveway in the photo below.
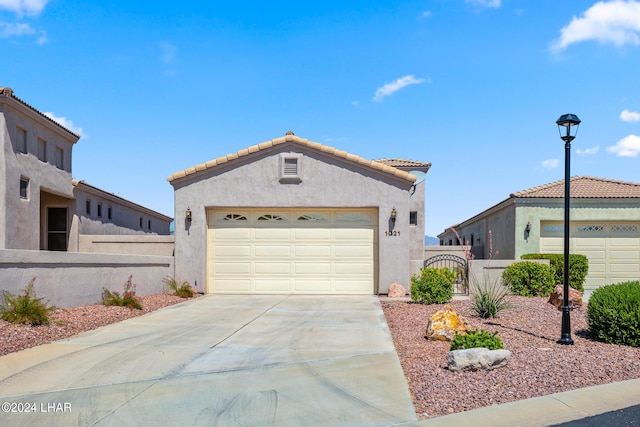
(231, 360)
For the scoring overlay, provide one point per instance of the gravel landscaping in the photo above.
(538, 365)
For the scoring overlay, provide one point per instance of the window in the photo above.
(290, 167)
(413, 218)
(99, 210)
(140, 222)
(149, 225)
(21, 140)
(59, 158)
(87, 207)
(110, 213)
(24, 188)
(42, 150)
(471, 242)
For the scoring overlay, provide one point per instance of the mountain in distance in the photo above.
(431, 241)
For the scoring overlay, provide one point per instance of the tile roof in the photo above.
(8, 93)
(399, 163)
(291, 138)
(584, 187)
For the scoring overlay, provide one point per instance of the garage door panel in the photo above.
(233, 285)
(309, 285)
(228, 251)
(614, 254)
(355, 286)
(272, 251)
(231, 234)
(316, 252)
(332, 255)
(354, 234)
(232, 268)
(273, 285)
(353, 268)
(361, 251)
(312, 234)
(272, 268)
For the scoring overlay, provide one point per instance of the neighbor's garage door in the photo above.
(613, 249)
(282, 251)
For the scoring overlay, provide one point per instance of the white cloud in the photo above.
(629, 116)
(426, 14)
(168, 52)
(11, 30)
(616, 22)
(588, 151)
(629, 146)
(550, 164)
(21, 7)
(485, 3)
(390, 88)
(66, 123)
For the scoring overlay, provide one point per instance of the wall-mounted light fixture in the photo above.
(527, 229)
(393, 215)
(187, 216)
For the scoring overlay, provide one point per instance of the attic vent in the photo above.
(290, 165)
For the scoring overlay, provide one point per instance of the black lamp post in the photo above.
(570, 123)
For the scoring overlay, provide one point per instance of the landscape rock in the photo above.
(476, 359)
(557, 296)
(444, 324)
(396, 290)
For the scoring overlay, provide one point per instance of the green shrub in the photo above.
(578, 268)
(433, 286)
(529, 279)
(488, 300)
(25, 308)
(613, 314)
(127, 299)
(181, 289)
(476, 339)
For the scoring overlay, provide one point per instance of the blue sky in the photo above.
(472, 86)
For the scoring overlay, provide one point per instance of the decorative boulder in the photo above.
(444, 324)
(557, 296)
(475, 359)
(396, 290)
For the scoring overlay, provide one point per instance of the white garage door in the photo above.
(282, 251)
(613, 249)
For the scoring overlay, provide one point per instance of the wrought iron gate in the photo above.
(456, 264)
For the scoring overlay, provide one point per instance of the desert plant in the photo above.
(25, 308)
(432, 286)
(613, 314)
(181, 289)
(127, 299)
(476, 339)
(489, 299)
(578, 268)
(529, 279)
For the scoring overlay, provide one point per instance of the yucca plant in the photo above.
(181, 289)
(488, 300)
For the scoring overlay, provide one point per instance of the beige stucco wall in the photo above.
(74, 279)
(127, 244)
(327, 182)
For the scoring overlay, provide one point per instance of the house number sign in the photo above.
(392, 233)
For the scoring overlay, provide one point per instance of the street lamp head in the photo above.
(570, 122)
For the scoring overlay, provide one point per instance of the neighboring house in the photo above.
(294, 216)
(42, 207)
(605, 226)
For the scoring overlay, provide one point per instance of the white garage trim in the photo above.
(286, 251)
(613, 248)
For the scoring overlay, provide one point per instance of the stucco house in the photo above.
(605, 226)
(294, 216)
(43, 207)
